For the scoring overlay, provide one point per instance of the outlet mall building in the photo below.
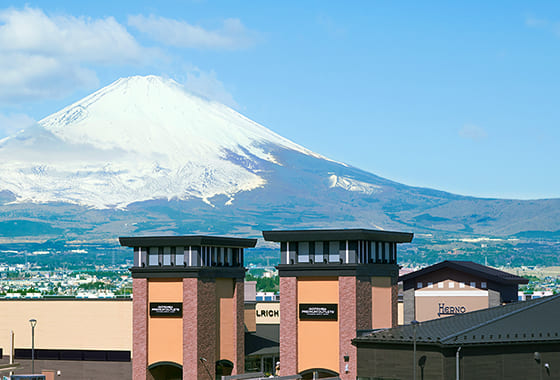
(188, 306)
(193, 316)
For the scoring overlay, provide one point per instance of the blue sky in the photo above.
(456, 96)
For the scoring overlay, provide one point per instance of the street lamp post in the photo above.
(414, 324)
(33, 324)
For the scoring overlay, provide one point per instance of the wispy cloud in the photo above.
(472, 132)
(207, 85)
(330, 26)
(12, 123)
(232, 35)
(541, 23)
(48, 55)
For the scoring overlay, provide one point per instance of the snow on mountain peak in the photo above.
(157, 115)
(139, 138)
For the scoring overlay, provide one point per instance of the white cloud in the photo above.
(45, 56)
(207, 85)
(232, 35)
(544, 24)
(12, 123)
(472, 132)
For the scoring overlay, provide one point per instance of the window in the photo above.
(473, 284)
(153, 256)
(318, 252)
(334, 251)
(214, 256)
(386, 248)
(222, 258)
(483, 285)
(374, 252)
(180, 256)
(229, 258)
(440, 284)
(461, 284)
(303, 252)
(166, 255)
(451, 284)
(419, 285)
(430, 285)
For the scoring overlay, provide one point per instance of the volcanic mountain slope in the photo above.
(142, 155)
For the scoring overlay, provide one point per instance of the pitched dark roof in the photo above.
(470, 267)
(264, 341)
(344, 234)
(167, 241)
(525, 321)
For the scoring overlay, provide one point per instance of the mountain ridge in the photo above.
(142, 156)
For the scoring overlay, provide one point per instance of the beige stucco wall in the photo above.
(165, 335)
(318, 341)
(225, 307)
(466, 298)
(381, 300)
(67, 324)
(250, 317)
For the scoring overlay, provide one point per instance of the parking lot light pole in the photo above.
(414, 324)
(33, 324)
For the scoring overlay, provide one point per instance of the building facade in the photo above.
(77, 338)
(188, 306)
(516, 341)
(332, 283)
(456, 287)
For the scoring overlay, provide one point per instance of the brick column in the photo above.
(207, 331)
(288, 326)
(347, 322)
(364, 307)
(239, 332)
(140, 328)
(190, 321)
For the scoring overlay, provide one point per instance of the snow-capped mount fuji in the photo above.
(144, 156)
(137, 139)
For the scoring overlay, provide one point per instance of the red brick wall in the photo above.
(239, 299)
(190, 321)
(364, 306)
(140, 328)
(288, 326)
(347, 317)
(207, 331)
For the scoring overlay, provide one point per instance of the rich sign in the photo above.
(166, 309)
(267, 313)
(318, 312)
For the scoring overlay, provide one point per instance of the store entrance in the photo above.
(318, 373)
(166, 371)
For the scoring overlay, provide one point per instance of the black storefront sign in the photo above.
(318, 312)
(166, 309)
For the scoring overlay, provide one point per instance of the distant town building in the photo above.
(525, 296)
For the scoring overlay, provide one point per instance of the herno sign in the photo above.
(450, 310)
(167, 309)
(318, 312)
